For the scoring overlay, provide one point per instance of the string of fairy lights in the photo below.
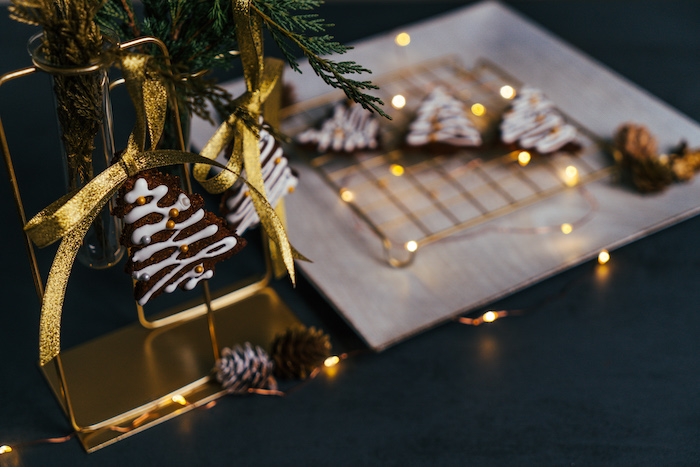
(330, 364)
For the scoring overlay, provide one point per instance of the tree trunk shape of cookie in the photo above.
(278, 179)
(350, 129)
(441, 118)
(172, 241)
(534, 123)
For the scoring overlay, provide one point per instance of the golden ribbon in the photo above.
(70, 217)
(261, 76)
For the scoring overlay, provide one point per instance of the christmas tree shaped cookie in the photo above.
(350, 129)
(441, 123)
(278, 179)
(172, 241)
(534, 123)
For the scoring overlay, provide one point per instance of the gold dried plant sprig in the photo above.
(71, 39)
(637, 156)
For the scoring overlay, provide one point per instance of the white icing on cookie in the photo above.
(278, 180)
(534, 122)
(143, 234)
(351, 129)
(442, 119)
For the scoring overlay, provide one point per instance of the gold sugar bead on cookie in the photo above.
(141, 200)
(174, 212)
(170, 224)
(278, 160)
(199, 269)
(184, 248)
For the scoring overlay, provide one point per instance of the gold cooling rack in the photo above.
(410, 199)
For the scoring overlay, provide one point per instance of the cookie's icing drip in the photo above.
(278, 180)
(176, 262)
(442, 119)
(534, 122)
(351, 129)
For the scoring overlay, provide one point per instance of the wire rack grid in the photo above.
(411, 199)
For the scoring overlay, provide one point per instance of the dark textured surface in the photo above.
(606, 374)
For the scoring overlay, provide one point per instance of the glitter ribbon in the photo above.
(261, 76)
(70, 217)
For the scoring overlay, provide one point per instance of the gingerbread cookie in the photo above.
(350, 129)
(278, 179)
(534, 123)
(172, 241)
(442, 124)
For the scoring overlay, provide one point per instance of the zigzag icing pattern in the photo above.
(534, 122)
(142, 236)
(442, 119)
(351, 129)
(278, 180)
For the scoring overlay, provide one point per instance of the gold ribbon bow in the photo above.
(261, 76)
(70, 217)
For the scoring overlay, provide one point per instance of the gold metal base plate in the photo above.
(124, 382)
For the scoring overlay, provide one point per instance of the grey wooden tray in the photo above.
(384, 304)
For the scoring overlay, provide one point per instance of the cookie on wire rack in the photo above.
(350, 129)
(533, 123)
(442, 124)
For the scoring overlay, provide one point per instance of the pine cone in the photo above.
(299, 351)
(243, 368)
(635, 142)
(636, 153)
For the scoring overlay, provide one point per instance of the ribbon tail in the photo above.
(54, 295)
(278, 267)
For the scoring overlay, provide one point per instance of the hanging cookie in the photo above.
(278, 178)
(172, 241)
(350, 129)
(442, 124)
(534, 123)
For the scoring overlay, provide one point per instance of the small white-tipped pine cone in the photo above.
(243, 368)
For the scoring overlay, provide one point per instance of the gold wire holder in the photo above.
(153, 370)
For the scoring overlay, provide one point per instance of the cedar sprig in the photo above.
(288, 29)
(198, 35)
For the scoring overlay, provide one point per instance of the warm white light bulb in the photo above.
(490, 317)
(331, 361)
(524, 158)
(346, 195)
(478, 109)
(571, 175)
(396, 170)
(566, 229)
(398, 101)
(507, 92)
(4, 449)
(603, 256)
(402, 39)
(412, 246)
(178, 399)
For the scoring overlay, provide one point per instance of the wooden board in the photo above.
(385, 305)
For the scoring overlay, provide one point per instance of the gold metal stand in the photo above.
(153, 370)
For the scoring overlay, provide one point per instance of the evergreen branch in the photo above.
(331, 72)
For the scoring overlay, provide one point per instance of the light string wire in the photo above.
(330, 362)
(472, 319)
